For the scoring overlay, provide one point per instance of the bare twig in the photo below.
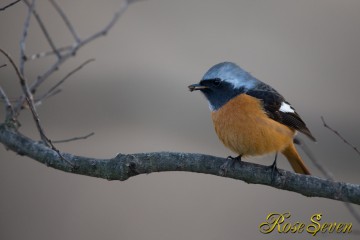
(4, 65)
(41, 78)
(313, 159)
(44, 30)
(328, 175)
(48, 53)
(104, 31)
(66, 20)
(55, 87)
(39, 101)
(30, 102)
(350, 208)
(24, 35)
(28, 95)
(9, 5)
(340, 136)
(8, 107)
(74, 138)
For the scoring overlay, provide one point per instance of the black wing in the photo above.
(272, 101)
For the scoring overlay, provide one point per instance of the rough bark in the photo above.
(124, 166)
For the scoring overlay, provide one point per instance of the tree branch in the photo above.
(48, 53)
(328, 175)
(66, 20)
(55, 88)
(30, 101)
(9, 111)
(74, 138)
(41, 78)
(24, 36)
(28, 95)
(43, 28)
(124, 166)
(340, 136)
(9, 5)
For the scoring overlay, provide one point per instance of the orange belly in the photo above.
(243, 126)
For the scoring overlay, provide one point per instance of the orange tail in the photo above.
(295, 160)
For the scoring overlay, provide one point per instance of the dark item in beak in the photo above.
(196, 86)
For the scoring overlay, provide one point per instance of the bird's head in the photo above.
(222, 82)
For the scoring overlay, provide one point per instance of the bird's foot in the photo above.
(274, 169)
(228, 164)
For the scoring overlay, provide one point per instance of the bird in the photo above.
(250, 117)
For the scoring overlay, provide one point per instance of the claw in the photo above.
(229, 163)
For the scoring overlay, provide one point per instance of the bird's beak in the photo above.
(196, 86)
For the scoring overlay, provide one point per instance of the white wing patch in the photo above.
(286, 108)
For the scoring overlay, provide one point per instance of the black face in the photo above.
(218, 92)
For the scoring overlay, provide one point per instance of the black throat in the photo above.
(217, 97)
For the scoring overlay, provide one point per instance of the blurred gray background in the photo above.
(135, 98)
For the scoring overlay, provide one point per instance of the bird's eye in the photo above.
(217, 82)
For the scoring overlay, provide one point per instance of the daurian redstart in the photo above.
(250, 117)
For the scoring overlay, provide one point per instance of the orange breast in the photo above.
(243, 126)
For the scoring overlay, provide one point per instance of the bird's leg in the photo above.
(229, 163)
(274, 169)
(238, 158)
